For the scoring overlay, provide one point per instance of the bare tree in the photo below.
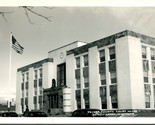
(3, 14)
(28, 10)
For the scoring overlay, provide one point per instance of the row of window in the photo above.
(113, 86)
(101, 54)
(35, 84)
(36, 99)
(25, 77)
(147, 85)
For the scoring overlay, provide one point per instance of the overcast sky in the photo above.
(68, 25)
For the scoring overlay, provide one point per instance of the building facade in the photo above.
(116, 72)
(33, 79)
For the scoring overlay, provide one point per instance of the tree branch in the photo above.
(3, 15)
(28, 16)
(38, 14)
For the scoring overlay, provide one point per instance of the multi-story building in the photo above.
(116, 72)
(33, 79)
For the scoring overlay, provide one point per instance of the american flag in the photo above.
(16, 46)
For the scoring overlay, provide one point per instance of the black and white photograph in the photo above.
(75, 63)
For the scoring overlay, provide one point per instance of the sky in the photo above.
(68, 24)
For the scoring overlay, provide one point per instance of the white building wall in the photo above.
(136, 73)
(18, 93)
(49, 73)
(82, 81)
(59, 55)
(108, 81)
(150, 75)
(94, 81)
(70, 78)
(31, 89)
(129, 73)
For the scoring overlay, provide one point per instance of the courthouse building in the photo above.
(116, 72)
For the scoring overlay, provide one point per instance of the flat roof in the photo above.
(66, 45)
(35, 65)
(110, 40)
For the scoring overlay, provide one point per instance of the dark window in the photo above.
(85, 60)
(152, 54)
(40, 99)
(78, 86)
(114, 105)
(27, 77)
(146, 79)
(34, 99)
(78, 62)
(78, 104)
(144, 55)
(86, 84)
(113, 80)
(35, 83)
(53, 101)
(103, 82)
(112, 53)
(27, 85)
(40, 82)
(153, 80)
(104, 106)
(35, 74)
(61, 74)
(26, 101)
(144, 52)
(87, 103)
(102, 56)
(23, 78)
(40, 72)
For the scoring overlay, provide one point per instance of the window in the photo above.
(103, 96)
(86, 103)
(152, 54)
(78, 104)
(35, 106)
(102, 55)
(147, 101)
(35, 73)
(144, 56)
(78, 85)
(26, 92)
(78, 98)
(153, 77)
(112, 53)
(113, 94)
(103, 79)
(22, 94)
(26, 101)
(27, 77)
(147, 95)
(26, 85)
(41, 106)
(35, 91)
(40, 73)
(86, 97)
(86, 82)
(85, 60)
(23, 78)
(78, 62)
(145, 73)
(40, 82)
(113, 77)
(61, 75)
(40, 90)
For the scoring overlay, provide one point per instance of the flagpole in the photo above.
(10, 61)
